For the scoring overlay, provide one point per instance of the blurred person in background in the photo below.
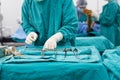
(110, 21)
(88, 20)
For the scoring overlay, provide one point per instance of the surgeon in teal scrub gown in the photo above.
(48, 22)
(81, 4)
(110, 21)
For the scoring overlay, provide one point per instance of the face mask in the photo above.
(79, 10)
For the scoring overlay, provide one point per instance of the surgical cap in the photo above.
(82, 3)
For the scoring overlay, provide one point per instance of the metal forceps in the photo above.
(75, 51)
(66, 50)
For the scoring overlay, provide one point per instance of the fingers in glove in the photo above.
(52, 46)
(32, 38)
(28, 41)
(49, 46)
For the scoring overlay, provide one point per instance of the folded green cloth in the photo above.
(86, 51)
(111, 59)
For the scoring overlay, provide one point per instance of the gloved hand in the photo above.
(32, 36)
(51, 43)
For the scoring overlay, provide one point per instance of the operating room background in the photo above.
(11, 11)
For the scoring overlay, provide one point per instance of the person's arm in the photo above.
(69, 21)
(108, 15)
(69, 27)
(26, 17)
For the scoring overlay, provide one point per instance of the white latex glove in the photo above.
(51, 43)
(32, 36)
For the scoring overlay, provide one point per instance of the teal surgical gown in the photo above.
(82, 18)
(109, 22)
(48, 17)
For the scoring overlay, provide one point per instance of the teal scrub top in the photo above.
(109, 23)
(82, 18)
(48, 17)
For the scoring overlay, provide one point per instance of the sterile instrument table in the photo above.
(86, 64)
